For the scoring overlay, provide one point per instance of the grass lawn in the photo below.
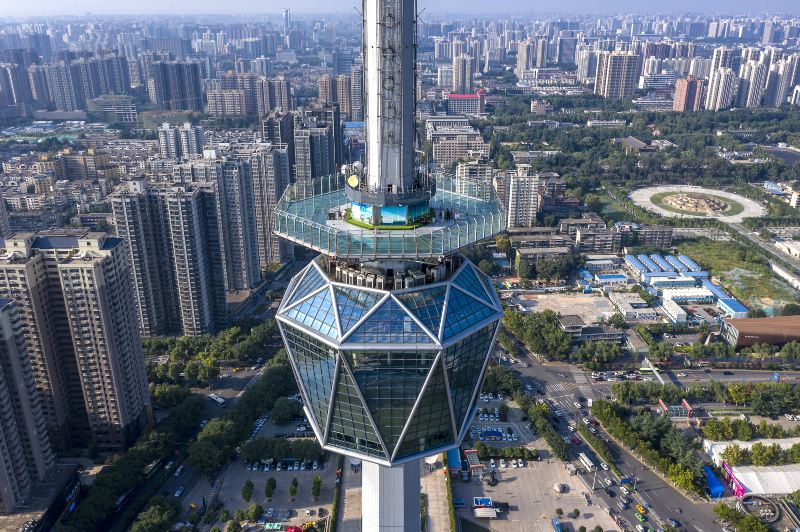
(734, 206)
(742, 271)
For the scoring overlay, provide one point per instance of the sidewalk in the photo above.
(434, 486)
(349, 518)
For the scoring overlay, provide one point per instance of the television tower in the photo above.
(389, 329)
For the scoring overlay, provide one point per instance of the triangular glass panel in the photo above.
(350, 425)
(467, 280)
(426, 305)
(490, 289)
(316, 313)
(390, 382)
(312, 281)
(389, 324)
(463, 312)
(353, 304)
(464, 361)
(431, 426)
(316, 365)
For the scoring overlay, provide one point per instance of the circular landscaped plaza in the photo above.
(682, 201)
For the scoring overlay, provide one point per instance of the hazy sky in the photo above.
(58, 7)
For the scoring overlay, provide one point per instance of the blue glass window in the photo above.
(316, 313)
(464, 361)
(463, 312)
(389, 324)
(426, 305)
(470, 283)
(350, 426)
(353, 304)
(316, 364)
(311, 282)
(431, 426)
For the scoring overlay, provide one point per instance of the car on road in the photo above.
(790, 417)
(270, 512)
(640, 528)
(681, 375)
(622, 506)
(562, 375)
(641, 518)
(674, 522)
(577, 405)
(566, 439)
(604, 466)
(502, 463)
(624, 490)
(179, 471)
(608, 482)
(641, 509)
(529, 387)
(179, 491)
(169, 465)
(301, 428)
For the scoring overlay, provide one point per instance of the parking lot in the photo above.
(531, 499)
(493, 429)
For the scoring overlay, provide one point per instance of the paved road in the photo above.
(767, 247)
(564, 385)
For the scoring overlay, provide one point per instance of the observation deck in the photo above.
(464, 211)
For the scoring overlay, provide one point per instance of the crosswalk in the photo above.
(560, 387)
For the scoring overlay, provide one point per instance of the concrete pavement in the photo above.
(434, 486)
(349, 518)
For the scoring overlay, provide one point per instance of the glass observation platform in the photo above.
(463, 211)
(389, 376)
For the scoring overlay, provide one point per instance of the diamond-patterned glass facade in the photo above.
(427, 306)
(316, 312)
(464, 361)
(467, 280)
(396, 375)
(463, 312)
(312, 281)
(353, 305)
(316, 366)
(389, 324)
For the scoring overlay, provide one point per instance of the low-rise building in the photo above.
(777, 330)
(674, 312)
(689, 295)
(610, 279)
(597, 241)
(580, 332)
(632, 306)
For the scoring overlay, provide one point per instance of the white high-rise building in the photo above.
(722, 58)
(721, 89)
(177, 142)
(462, 74)
(752, 80)
(523, 199)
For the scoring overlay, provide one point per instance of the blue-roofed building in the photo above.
(678, 265)
(664, 265)
(716, 290)
(692, 265)
(635, 266)
(714, 487)
(773, 188)
(732, 307)
(652, 266)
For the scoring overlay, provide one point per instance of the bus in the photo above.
(586, 462)
(217, 399)
(645, 371)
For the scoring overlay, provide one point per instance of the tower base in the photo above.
(390, 497)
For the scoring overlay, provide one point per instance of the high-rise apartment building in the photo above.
(344, 96)
(526, 57)
(75, 303)
(722, 58)
(617, 74)
(357, 92)
(25, 453)
(326, 90)
(175, 86)
(313, 151)
(688, 95)
(721, 89)
(174, 245)
(176, 142)
(523, 199)
(752, 81)
(462, 74)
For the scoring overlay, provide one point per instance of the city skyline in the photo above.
(439, 7)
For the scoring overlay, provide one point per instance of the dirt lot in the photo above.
(588, 306)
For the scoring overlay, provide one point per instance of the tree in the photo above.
(576, 513)
(790, 309)
(247, 490)
(284, 410)
(489, 267)
(503, 244)
(617, 321)
(253, 512)
(559, 512)
(159, 515)
(316, 487)
(293, 488)
(169, 395)
(269, 489)
(233, 526)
